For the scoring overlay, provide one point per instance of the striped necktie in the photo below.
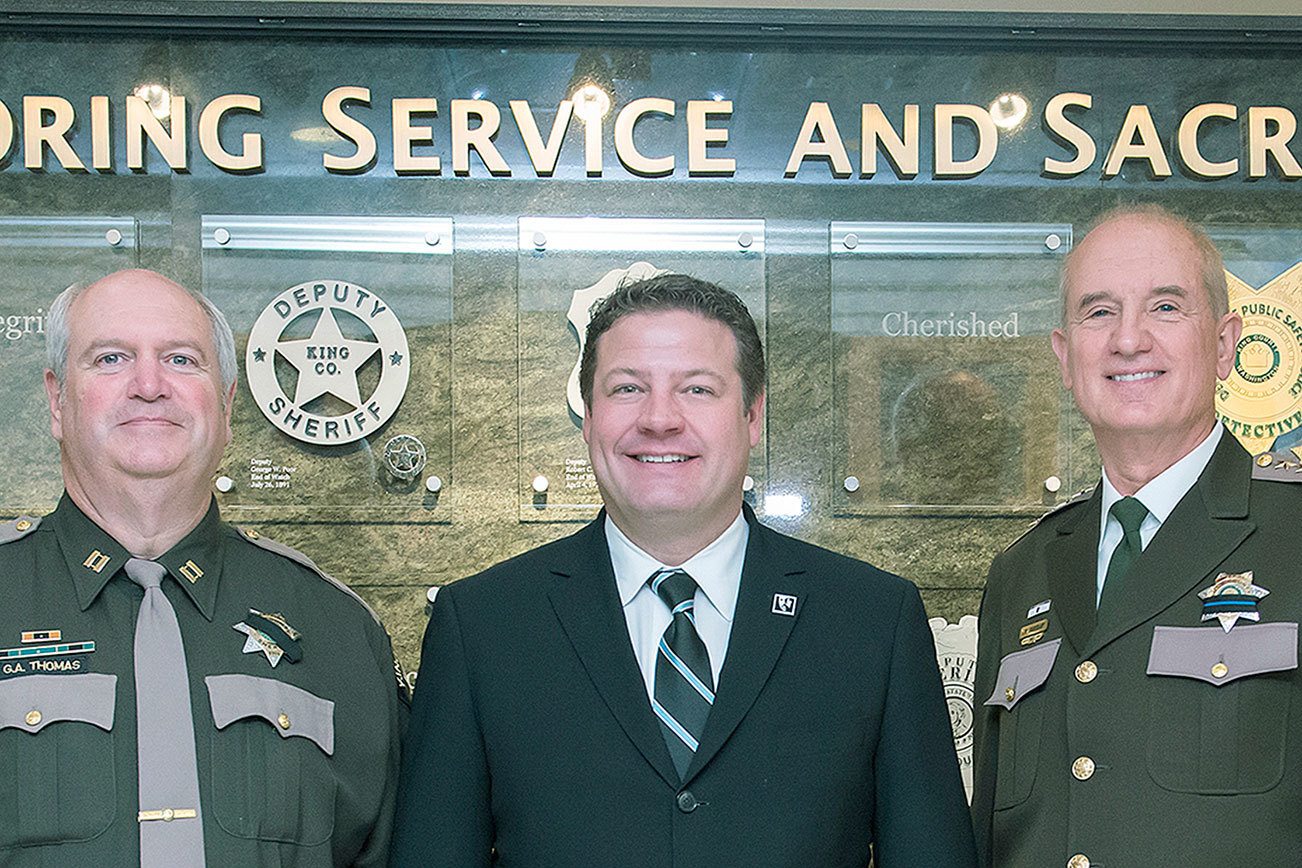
(684, 683)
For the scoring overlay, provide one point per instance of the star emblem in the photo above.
(258, 641)
(1231, 597)
(327, 362)
(259, 355)
(395, 358)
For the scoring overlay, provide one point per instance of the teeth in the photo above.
(661, 459)
(1130, 378)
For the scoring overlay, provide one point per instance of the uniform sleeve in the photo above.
(921, 815)
(376, 852)
(985, 748)
(444, 818)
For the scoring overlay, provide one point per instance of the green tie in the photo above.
(1130, 514)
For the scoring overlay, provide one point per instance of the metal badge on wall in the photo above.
(580, 313)
(956, 648)
(404, 457)
(327, 407)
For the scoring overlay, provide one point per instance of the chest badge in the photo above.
(1231, 597)
(1033, 632)
(271, 634)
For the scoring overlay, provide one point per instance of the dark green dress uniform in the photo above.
(1153, 737)
(297, 763)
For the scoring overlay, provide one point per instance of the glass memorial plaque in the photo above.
(343, 337)
(947, 395)
(39, 258)
(1261, 400)
(565, 266)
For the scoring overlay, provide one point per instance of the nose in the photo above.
(1131, 334)
(149, 378)
(660, 413)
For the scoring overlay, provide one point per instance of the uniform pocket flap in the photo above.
(1022, 672)
(290, 710)
(33, 702)
(1212, 655)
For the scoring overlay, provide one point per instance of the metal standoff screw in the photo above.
(851, 484)
(225, 484)
(221, 235)
(113, 237)
(433, 485)
(745, 240)
(1053, 241)
(851, 241)
(432, 238)
(540, 483)
(1052, 485)
(539, 240)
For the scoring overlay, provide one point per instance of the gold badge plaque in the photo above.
(1262, 397)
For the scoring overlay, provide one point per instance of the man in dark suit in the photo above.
(675, 684)
(1138, 650)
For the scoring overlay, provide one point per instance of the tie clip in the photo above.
(167, 815)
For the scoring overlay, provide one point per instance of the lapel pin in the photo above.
(1033, 632)
(784, 604)
(1038, 609)
(1231, 597)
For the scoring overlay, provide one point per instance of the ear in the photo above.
(53, 394)
(587, 422)
(230, 410)
(1058, 339)
(1227, 343)
(755, 419)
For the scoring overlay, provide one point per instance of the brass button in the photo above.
(283, 720)
(1087, 672)
(1083, 768)
(1220, 670)
(168, 815)
(22, 524)
(1265, 459)
(1009, 694)
(33, 717)
(251, 534)
(1080, 860)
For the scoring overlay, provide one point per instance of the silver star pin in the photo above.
(258, 641)
(1228, 612)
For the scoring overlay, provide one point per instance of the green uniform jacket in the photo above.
(1152, 738)
(297, 763)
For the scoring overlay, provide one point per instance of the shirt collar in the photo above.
(716, 568)
(93, 557)
(1165, 490)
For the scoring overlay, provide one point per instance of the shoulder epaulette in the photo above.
(1079, 497)
(1282, 465)
(293, 554)
(18, 528)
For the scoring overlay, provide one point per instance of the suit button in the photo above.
(1086, 672)
(687, 802)
(1080, 860)
(1083, 768)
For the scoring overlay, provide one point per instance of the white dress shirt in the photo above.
(717, 571)
(1160, 495)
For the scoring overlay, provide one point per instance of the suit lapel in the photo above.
(1208, 523)
(756, 641)
(1071, 559)
(587, 604)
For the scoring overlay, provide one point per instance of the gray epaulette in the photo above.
(1079, 497)
(18, 528)
(298, 557)
(1282, 465)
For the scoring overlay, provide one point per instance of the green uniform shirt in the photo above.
(285, 778)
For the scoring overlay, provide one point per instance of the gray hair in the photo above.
(1211, 266)
(57, 335)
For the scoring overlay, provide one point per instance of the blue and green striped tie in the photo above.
(684, 683)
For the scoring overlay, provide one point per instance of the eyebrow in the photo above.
(114, 343)
(634, 372)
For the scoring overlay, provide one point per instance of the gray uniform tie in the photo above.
(171, 828)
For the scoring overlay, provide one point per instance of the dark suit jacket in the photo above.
(1188, 767)
(532, 733)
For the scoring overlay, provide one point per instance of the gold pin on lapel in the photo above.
(96, 561)
(1033, 632)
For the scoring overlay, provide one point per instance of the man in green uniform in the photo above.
(174, 691)
(1138, 650)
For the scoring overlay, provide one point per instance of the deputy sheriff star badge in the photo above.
(1231, 597)
(271, 634)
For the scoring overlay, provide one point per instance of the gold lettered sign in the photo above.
(1261, 400)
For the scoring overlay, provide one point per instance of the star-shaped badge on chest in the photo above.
(1231, 597)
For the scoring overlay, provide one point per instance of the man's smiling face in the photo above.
(667, 429)
(1141, 348)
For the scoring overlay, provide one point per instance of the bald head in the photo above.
(1210, 265)
(144, 282)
